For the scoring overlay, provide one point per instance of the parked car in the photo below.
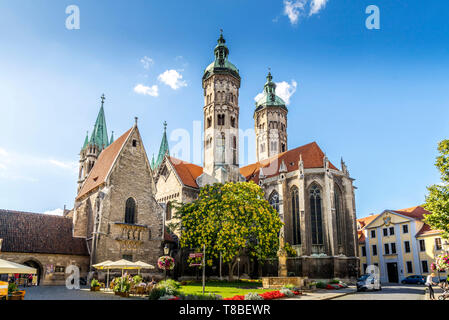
(414, 279)
(368, 282)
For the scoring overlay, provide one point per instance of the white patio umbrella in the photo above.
(101, 266)
(144, 265)
(123, 264)
(7, 267)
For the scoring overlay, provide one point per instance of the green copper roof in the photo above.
(86, 141)
(269, 97)
(221, 63)
(163, 149)
(99, 135)
(152, 164)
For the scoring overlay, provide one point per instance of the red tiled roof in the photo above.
(187, 172)
(427, 230)
(366, 220)
(312, 157)
(39, 233)
(416, 212)
(103, 164)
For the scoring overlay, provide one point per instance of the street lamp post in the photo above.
(166, 252)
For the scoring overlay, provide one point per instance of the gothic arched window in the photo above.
(338, 213)
(315, 215)
(130, 211)
(168, 211)
(295, 215)
(274, 200)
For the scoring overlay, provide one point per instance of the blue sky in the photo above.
(377, 98)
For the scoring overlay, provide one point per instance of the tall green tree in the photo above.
(437, 201)
(231, 219)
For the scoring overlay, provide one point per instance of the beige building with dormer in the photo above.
(399, 243)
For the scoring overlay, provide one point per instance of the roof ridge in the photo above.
(30, 213)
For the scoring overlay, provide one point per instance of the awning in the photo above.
(7, 267)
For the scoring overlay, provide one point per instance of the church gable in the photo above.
(387, 219)
(131, 163)
(102, 167)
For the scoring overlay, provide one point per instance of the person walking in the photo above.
(429, 284)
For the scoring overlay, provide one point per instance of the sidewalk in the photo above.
(323, 294)
(437, 291)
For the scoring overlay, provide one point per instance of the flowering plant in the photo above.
(166, 263)
(270, 295)
(441, 263)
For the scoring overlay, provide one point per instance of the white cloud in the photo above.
(284, 90)
(146, 62)
(294, 9)
(55, 212)
(257, 98)
(145, 90)
(173, 79)
(316, 6)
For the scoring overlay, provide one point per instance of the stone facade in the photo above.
(336, 203)
(50, 267)
(100, 214)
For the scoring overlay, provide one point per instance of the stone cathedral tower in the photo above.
(270, 120)
(221, 83)
(94, 146)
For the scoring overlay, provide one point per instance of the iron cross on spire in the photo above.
(102, 99)
(165, 125)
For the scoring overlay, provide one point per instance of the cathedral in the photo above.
(314, 198)
(123, 202)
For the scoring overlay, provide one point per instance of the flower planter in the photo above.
(117, 293)
(124, 294)
(15, 296)
(94, 288)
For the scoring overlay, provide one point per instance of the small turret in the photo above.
(163, 149)
(94, 146)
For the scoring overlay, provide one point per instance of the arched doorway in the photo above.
(37, 266)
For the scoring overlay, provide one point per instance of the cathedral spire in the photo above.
(152, 164)
(86, 141)
(112, 138)
(221, 50)
(100, 133)
(163, 149)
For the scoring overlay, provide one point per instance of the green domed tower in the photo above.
(270, 120)
(221, 84)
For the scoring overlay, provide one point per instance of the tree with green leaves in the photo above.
(437, 201)
(230, 219)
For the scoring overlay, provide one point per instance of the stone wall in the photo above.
(45, 261)
(131, 177)
(316, 268)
